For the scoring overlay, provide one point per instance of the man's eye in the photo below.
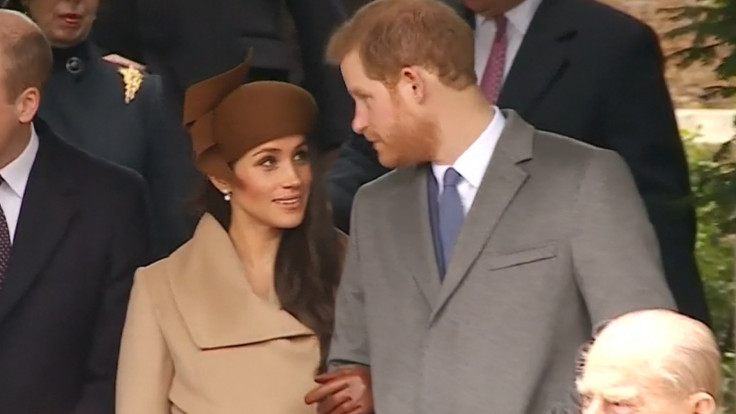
(622, 407)
(585, 400)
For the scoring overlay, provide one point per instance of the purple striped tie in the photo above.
(4, 245)
(492, 79)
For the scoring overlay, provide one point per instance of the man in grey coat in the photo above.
(476, 269)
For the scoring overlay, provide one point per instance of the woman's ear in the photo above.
(221, 185)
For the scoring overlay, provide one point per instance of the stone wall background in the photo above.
(686, 85)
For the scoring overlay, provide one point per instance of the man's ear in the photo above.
(412, 84)
(27, 105)
(702, 403)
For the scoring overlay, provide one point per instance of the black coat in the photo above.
(188, 42)
(88, 109)
(81, 233)
(590, 72)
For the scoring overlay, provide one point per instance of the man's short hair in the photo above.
(679, 351)
(25, 55)
(694, 363)
(392, 34)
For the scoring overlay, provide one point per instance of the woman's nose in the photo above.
(291, 177)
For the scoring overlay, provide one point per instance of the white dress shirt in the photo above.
(519, 19)
(15, 178)
(472, 164)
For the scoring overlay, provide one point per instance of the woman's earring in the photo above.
(226, 196)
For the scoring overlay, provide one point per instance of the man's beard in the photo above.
(410, 140)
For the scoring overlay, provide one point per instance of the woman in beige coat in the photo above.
(238, 319)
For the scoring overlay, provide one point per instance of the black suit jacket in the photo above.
(81, 233)
(590, 72)
(353, 5)
(188, 42)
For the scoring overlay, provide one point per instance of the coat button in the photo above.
(74, 65)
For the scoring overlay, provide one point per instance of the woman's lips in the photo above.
(290, 203)
(71, 19)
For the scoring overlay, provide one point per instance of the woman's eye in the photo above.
(301, 156)
(267, 162)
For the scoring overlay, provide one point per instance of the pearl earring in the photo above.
(227, 196)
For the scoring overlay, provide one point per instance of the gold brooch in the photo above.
(132, 79)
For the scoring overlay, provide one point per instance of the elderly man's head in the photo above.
(652, 362)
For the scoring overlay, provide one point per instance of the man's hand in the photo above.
(119, 60)
(344, 391)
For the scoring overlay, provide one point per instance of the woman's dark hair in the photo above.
(308, 261)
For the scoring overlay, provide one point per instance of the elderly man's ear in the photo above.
(702, 403)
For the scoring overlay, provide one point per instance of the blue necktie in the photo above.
(451, 214)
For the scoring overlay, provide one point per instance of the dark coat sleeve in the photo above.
(129, 249)
(638, 122)
(315, 21)
(169, 172)
(356, 164)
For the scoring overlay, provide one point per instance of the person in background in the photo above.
(73, 229)
(188, 42)
(239, 318)
(652, 362)
(582, 69)
(116, 113)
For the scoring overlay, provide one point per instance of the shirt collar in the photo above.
(520, 16)
(16, 173)
(473, 162)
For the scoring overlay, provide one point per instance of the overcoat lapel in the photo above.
(501, 182)
(47, 212)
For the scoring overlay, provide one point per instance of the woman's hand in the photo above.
(119, 60)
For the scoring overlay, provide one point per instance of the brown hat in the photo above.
(226, 118)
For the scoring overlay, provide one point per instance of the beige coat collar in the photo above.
(215, 299)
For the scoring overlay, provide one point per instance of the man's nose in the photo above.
(359, 123)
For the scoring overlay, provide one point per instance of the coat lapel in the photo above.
(45, 216)
(214, 297)
(501, 182)
(415, 240)
(541, 59)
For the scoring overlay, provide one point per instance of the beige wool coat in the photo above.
(198, 340)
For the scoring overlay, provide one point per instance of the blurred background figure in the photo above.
(191, 41)
(116, 113)
(652, 362)
(73, 229)
(353, 5)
